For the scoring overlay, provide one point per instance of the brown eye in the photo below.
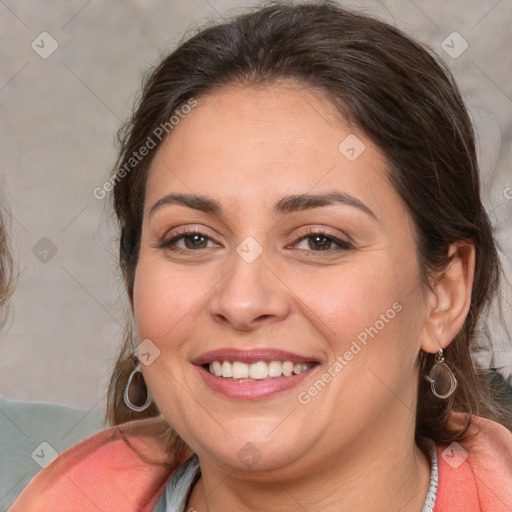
(188, 241)
(195, 241)
(319, 242)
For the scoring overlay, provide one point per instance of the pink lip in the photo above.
(257, 389)
(250, 356)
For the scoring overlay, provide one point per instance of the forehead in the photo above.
(260, 143)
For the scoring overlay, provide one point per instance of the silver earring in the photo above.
(127, 401)
(442, 381)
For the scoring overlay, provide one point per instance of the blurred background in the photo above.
(69, 74)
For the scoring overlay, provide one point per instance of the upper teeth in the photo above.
(259, 370)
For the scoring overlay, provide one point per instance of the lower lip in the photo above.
(254, 389)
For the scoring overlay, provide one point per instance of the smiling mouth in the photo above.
(258, 371)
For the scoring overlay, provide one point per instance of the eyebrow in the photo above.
(306, 201)
(286, 204)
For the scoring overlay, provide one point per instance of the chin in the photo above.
(253, 446)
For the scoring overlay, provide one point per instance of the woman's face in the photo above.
(272, 239)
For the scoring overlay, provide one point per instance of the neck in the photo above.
(365, 477)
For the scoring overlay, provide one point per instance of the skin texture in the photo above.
(352, 446)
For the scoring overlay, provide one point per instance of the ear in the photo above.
(449, 298)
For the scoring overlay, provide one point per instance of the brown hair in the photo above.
(6, 266)
(400, 95)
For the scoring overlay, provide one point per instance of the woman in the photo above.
(307, 259)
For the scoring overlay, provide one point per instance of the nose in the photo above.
(249, 295)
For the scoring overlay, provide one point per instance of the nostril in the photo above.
(262, 317)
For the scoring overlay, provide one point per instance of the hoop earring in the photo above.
(127, 401)
(441, 376)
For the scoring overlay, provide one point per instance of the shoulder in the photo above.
(121, 468)
(476, 475)
(31, 432)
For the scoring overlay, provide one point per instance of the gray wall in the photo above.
(59, 116)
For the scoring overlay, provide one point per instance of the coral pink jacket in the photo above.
(103, 473)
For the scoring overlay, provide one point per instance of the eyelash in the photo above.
(170, 244)
(342, 245)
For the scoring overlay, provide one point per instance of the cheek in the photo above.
(164, 301)
(164, 305)
(349, 299)
(367, 312)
